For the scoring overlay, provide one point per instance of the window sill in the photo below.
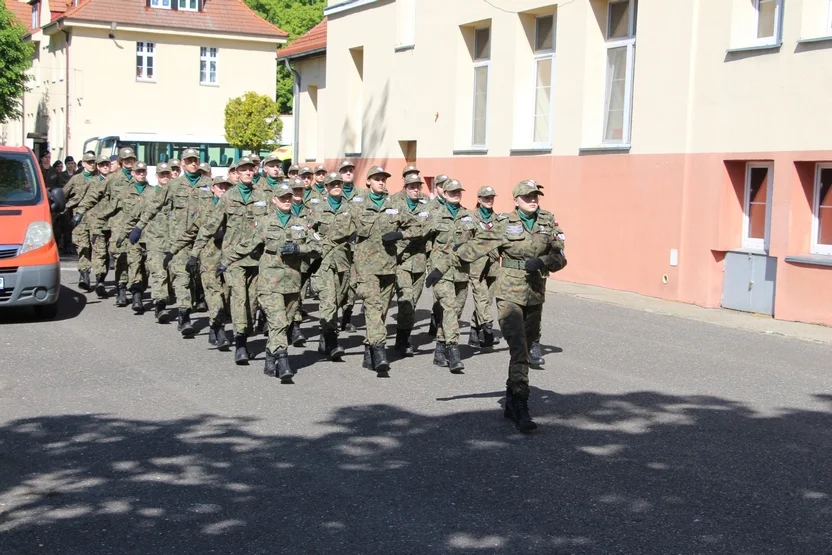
(474, 150)
(352, 155)
(307, 160)
(209, 84)
(404, 47)
(532, 150)
(145, 80)
(756, 47)
(749, 250)
(811, 259)
(603, 149)
(825, 38)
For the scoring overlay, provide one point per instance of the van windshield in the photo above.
(18, 184)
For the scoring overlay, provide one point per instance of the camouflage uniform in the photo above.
(217, 291)
(109, 215)
(349, 304)
(136, 254)
(75, 191)
(98, 236)
(156, 238)
(483, 276)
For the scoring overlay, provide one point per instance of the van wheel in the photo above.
(46, 311)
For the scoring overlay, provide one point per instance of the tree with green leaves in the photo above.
(295, 17)
(252, 122)
(15, 60)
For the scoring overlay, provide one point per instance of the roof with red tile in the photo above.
(22, 10)
(222, 16)
(312, 41)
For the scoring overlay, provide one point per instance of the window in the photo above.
(188, 5)
(767, 21)
(822, 220)
(757, 205)
(621, 53)
(482, 57)
(544, 65)
(35, 15)
(144, 61)
(207, 66)
(160, 4)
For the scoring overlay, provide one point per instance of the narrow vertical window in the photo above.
(822, 213)
(544, 73)
(35, 15)
(767, 20)
(482, 61)
(144, 61)
(207, 66)
(621, 47)
(757, 205)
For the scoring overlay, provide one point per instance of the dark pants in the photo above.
(519, 325)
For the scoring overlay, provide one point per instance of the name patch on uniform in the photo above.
(392, 211)
(466, 219)
(423, 201)
(423, 214)
(298, 227)
(260, 203)
(514, 229)
(206, 189)
(315, 200)
(345, 213)
(316, 236)
(357, 199)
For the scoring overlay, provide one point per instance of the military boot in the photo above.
(454, 360)
(368, 358)
(346, 321)
(536, 356)
(488, 339)
(380, 363)
(201, 306)
(138, 305)
(121, 296)
(284, 371)
(185, 327)
(333, 350)
(100, 290)
(212, 336)
(160, 312)
(222, 338)
(295, 336)
(439, 358)
(403, 345)
(474, 337)
(432, 329)
(240, 349)
(508, 410)
(270, 369)
(84, 280)
(522, 418)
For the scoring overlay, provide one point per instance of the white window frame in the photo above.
(818, 248)
(486, 63)
(754, 243)
(208, 59)
(159, 5)
(185, 8)
(35, 15)
(778, 16)
(538, 56)
(630, 43)
(145, 55)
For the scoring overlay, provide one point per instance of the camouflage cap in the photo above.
(88, 157)
(189, 153)
(245, 161)
(486, 191)
(412, 178)
(296, 183)
(270, 158)
(320, 168)
(280, 172)
(440, 179)
(526, 187)
(333, 177)
(162, 167)
(306, 170)
(284, 189)
(376, 170)
(254, 157)
(410, 168)
(174, 163)
(452, 185)
(139, 166)
(220, 180)
(232, 166)
(205, 167)
(346, 164)
(102, 159)
(114, 158)
(126, 152)
(294, 168)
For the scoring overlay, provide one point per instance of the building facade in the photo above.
(144, 66)
(682, 145)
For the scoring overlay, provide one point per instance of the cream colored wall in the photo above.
(689, 94)
(313, 136)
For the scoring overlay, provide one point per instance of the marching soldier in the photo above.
(205, 170)
(97, 235)
(410, 169)
(347, 171)
(436, 203)
(75, 190)
(285, 241)
(530, 244)
(483, 276)
(175, 168)
(319, 186)
(136, 254)
(294, 171)
(258, 171)
(300, 211)
(271, 175)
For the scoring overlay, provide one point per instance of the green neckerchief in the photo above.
(377, 199)
(528, 220)
(87, 175)
(245, 191)
(306, 193)
(256, 178)
(283, 217)
(412, 204)
(101, 177)
(441, 200)
(215, 199)
(193, 178)
(127, 173)
(348, 188)
(297, 208)
(453, 208)
(486, 213)
(320, 188)
(140, 187)
(335, 203)
(272, 182)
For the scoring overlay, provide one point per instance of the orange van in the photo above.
(30, 270)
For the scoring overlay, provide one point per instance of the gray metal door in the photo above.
(748, 282)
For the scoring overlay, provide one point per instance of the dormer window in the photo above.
(189, 5)
(164, 4)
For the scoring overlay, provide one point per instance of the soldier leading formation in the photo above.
(248, 249)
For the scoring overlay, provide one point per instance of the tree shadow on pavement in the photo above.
(640, 472)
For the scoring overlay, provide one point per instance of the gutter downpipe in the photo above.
(295, 111)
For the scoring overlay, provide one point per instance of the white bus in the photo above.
(152, 148)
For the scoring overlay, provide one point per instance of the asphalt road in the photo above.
(658, 435)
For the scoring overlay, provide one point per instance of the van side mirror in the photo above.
(57, 201)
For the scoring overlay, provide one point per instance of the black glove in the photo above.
(191, 264)
(289, 248)
(135, 235)
(433, 278)
(534, 265)
(76, 219)
(220, 269)
(220, 234)
(167, 259)
(119, 241)
(391, 236)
